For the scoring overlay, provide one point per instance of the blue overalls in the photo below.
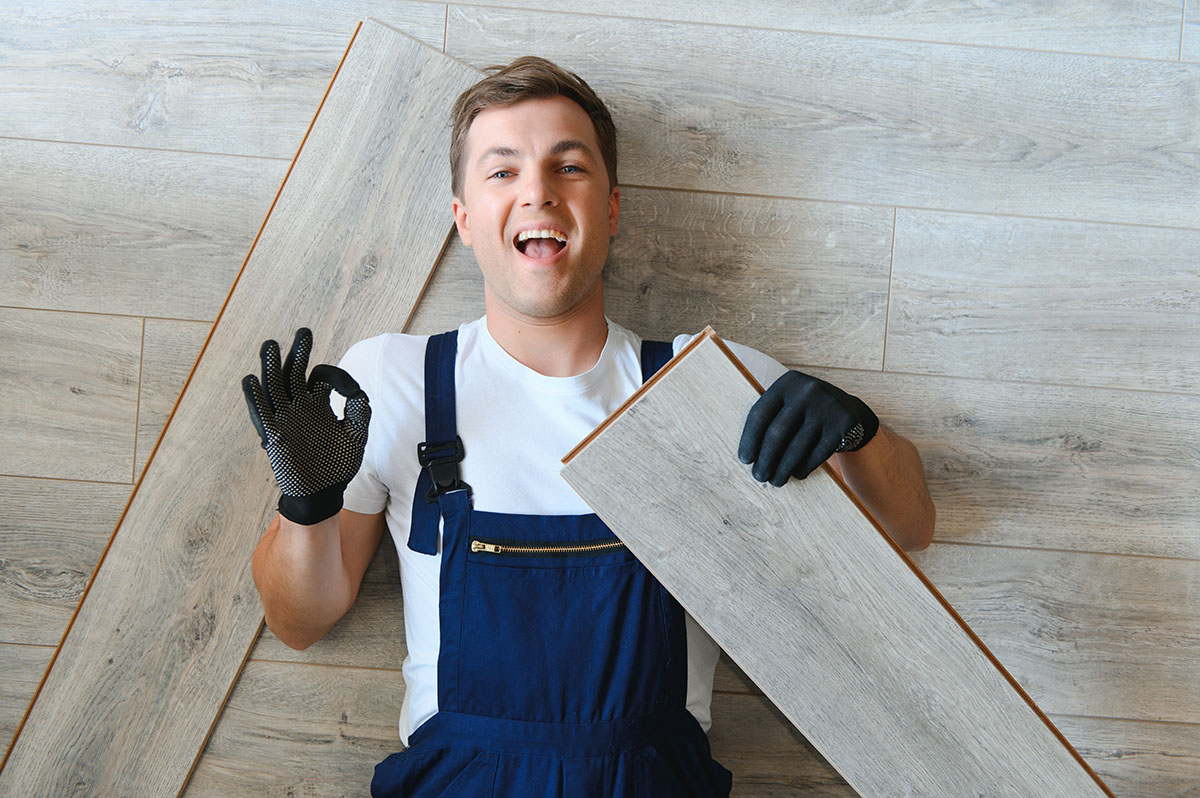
(562, 671)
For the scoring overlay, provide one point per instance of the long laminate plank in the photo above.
(223, 76)
(1045, 301)
(813, 601)
(1047, 467)
(52, 533)
(1085, 634)
(157, 663)
(805, 281)
(68, 385)
(1136, 30)
(873, 120)
(123, 231)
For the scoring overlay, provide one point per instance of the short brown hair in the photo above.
(529, 78)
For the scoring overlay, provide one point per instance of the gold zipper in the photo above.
(553, 549)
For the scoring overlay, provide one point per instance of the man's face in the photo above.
(531, 167)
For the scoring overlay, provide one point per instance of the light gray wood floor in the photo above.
(983, 220)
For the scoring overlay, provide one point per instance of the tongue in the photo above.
(541, 247)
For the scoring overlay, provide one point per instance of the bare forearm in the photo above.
(888, 478)
(302, 578)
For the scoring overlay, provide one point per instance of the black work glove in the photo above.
(798, 423)
(313, 452)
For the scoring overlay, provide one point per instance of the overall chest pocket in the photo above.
(560, 631)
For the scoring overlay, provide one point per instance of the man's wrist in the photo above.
(314, 508)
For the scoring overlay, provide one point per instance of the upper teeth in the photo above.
(525, 235)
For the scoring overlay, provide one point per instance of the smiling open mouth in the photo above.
(540, 243)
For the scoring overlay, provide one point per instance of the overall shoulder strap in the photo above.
(441, 451)
(655, 355)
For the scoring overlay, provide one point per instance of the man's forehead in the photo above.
(553, 125)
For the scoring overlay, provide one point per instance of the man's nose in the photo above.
(538, 191)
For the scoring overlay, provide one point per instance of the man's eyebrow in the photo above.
(566, 145)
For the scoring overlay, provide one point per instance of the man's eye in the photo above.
(501, 173)
(572, 168)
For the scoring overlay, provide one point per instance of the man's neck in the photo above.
(562, 346)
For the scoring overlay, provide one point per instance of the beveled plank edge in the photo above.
(707, 334)
(121, 520)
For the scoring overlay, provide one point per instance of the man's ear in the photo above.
(460, 220)
(614, 209)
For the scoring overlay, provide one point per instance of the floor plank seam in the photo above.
(1182, 30)
(65, 479)
(1000, 380)
(1052, 550)
(324, 665)
(917, 208)
(809, 32)
(102, 313)
(143, 149)
(137, 410)
(887, 306)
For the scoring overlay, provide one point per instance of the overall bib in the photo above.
(562, 670)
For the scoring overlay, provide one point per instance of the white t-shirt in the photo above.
(516, 426)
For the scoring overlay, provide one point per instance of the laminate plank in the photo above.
(300, 730)
(68, 383)
(1045, 301)
(157, 662)
(226, 77)
(21, 668)
(806, 281)
(875, 121)
(768, 757)
(864, 658)
(1085, 634)
(168, 355)
(1048, 467)
(1140, 30)
(130, 232)
(51, 535)
(1139, 759)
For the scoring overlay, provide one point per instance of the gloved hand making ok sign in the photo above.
(314, 453)
(798, 423)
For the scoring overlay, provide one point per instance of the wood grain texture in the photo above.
(875, 121)
(21, 668)
(301, 730)
(1155, 760)
(805, 281)
(132, 232)
(158, 662)
(1147, 29)
(1044, 466)
(857, 637)
(227, 77)
(1085, 634)
(169, 352)
(1036, 300)
(51, 535)
(68, 383)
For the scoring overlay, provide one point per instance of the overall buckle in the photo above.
(441, 461)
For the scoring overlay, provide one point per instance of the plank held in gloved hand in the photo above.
(314, 453)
